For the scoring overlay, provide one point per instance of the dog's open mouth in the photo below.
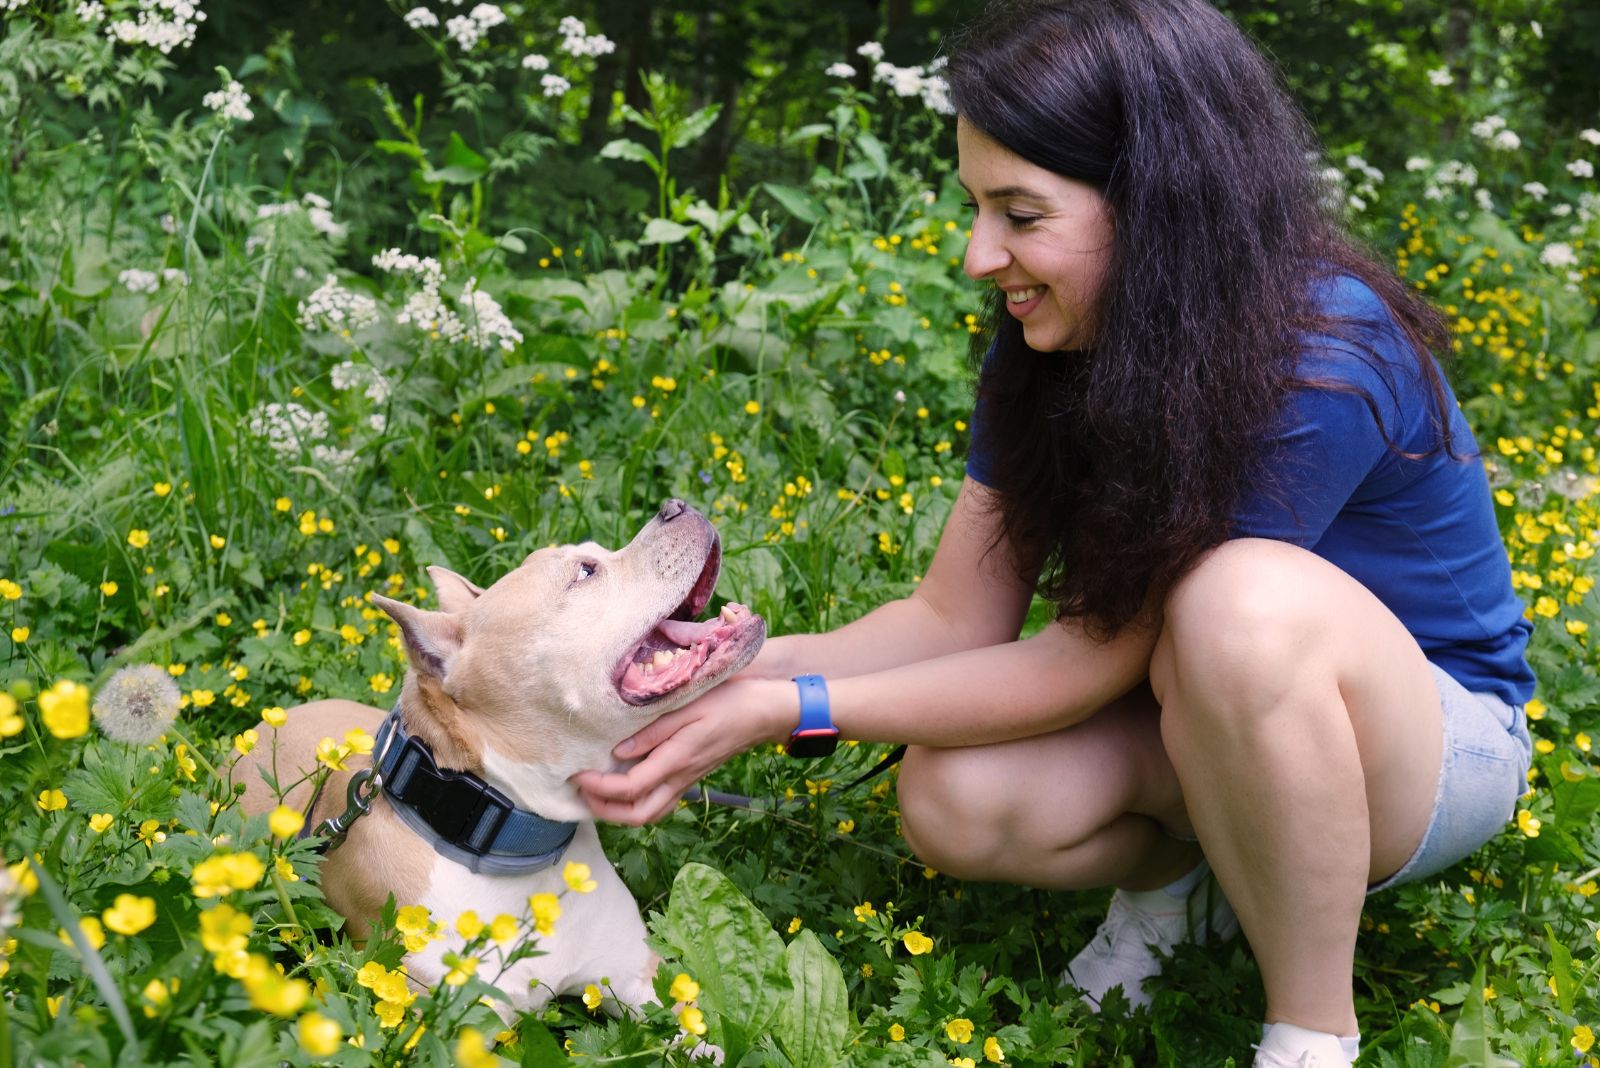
(677, 651)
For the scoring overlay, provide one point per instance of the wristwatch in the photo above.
(816, 736)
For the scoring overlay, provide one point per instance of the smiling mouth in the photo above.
(676, 651)
(1022, 296)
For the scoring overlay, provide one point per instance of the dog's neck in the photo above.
(458, 744)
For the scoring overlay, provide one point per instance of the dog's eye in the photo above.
(585, 570)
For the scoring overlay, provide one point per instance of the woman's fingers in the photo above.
(654, 734)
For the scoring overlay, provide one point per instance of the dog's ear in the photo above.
(432, 638)
(455, 593)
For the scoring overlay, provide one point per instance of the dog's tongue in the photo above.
(684, 633)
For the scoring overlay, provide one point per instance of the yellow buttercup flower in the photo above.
(959, 1029)
(683, 988)
(577, 877)
(285, 822)
(318, 1035)
(1528, 823)
(93, 932)
(52, 801)
(865, 912)
(546, 910)
(20, 634)
(108, 589)
(129, 915)
(223, 873)
(161, 489)
(503, 928)
(897, 1033)
(65, 709)
(472, 1051)
(591, 997)
(1582, 1038)
(468, 925)
(274, 716)
(992, 1051)
(9, 590)
(10, 722)
(692, 1020)
(100, 821)
(218, 541)
(138, 538)
(917, 943)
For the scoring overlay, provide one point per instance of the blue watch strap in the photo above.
(814, 713)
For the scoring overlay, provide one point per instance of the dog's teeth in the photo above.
(662, 658)
(727, 615)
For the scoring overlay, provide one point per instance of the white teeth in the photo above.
(1023, 296)
(727, 615)
(647, 668)
(662, 658)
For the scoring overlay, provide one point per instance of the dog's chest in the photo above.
(598, 936)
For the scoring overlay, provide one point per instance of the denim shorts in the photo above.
(1484, 769)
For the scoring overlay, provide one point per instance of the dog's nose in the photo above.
(671, 510)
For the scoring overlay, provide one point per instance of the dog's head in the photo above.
(572, 651)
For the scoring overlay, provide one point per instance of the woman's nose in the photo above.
(985, 254)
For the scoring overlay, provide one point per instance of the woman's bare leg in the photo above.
(1304, 725)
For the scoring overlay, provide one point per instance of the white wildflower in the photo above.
(393, 261)
(1488, 126)
(1536, 29)
(491, 327)
(872, 50)
(289, 429)
(841, 70)
(487, 16)
(1454, 172)
(1506, 141)
(1418, 163)
(1558, 254)
(534, 61)
(159, 24)
(333, 307)
(1433, 192)
(936, 95)
(464, 31)
(554, 84)
(91, 12)
(1561, 211)
(1484, 200)
(231, 102)
(420, 18)
(349, 375)
(1441, 77)
(169, 224)
(139, 281)
(174, 276)
(1536, 190)
(1591, 136)
(1356, 203)
(1581, 168)
(136, 704)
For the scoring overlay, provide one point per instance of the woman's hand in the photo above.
(683, 746)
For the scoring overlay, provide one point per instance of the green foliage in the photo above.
(225, 422)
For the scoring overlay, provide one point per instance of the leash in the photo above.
(695, 794)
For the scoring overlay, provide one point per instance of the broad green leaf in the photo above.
(695, 126)
(457, 154)
(1469, 1040)
(873, 150)
(729, 948)
(1561, 971)
(664, 232)
(622, 148)
(815, 1021)
(796, 202)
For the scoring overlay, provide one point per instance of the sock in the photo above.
(1162, 899)
(1295, 1037)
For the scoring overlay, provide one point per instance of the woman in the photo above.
(1211, 432)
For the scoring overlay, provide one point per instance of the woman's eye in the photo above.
(1022, 222)
(972, 204)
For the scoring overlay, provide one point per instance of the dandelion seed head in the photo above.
(137, 704)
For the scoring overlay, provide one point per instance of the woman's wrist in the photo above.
(779, 706)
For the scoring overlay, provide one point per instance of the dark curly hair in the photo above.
(1118, 467)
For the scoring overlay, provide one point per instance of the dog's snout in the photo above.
(672, 510)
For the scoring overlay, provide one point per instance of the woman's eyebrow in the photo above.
(1006, 191)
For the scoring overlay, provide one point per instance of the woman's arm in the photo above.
(971, 697)
(939, 668)
(970, 597)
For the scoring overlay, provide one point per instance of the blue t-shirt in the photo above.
(1420, 534)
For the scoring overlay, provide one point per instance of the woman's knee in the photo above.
(1240, 626)
(951, 821)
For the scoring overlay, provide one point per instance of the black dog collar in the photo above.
(462, 817)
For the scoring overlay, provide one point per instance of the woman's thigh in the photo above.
(1052, 810)
(1267, 637)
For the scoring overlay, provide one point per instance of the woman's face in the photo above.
(1043, 239)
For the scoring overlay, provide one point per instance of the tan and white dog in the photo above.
(524, 684)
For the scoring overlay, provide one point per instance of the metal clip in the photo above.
(364, 786)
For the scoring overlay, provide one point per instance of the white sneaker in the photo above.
(1286, 1046)
(1128, 947)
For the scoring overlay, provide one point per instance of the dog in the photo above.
(517, 687)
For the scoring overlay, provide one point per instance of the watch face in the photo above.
(813, 743)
